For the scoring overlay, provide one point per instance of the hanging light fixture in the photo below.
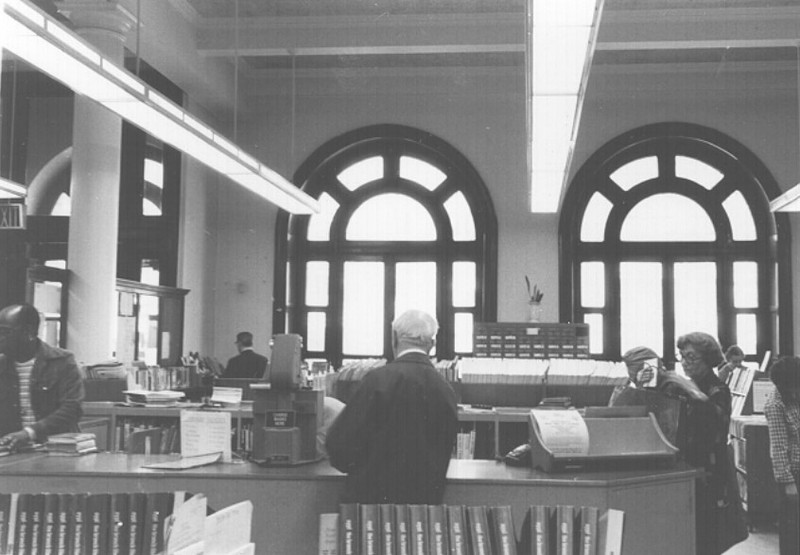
(44, 43)
(560, 41)
(790, 200)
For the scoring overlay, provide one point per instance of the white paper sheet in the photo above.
(205, 432)
(228, 529)
(562, 431)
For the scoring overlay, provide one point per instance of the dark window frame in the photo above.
(742, 171)
(317, 175)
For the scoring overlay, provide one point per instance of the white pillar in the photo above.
(94, 222)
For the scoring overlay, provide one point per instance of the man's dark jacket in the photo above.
(395, 437)
(56, 393)
(247, 364)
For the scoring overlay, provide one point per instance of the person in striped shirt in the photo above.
(782, 410)
(41, 387)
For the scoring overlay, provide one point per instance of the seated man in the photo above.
(41, 387)
(395, 436)
(248, 363)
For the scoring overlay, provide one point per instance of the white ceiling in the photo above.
(435, 33)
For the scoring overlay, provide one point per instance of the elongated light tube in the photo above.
(44, 43)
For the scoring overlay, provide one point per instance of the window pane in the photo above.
(463, 284)
(593, 225)
(697, 171)
(421, 172)
(319, 225)
(463, 332)
(695, 297)
(315, 331)
(415, 287)
(667, 217)
(746, 333)
(317, 283)
(362, 311)
(461, 220)
(391, 217)
(150, 272)
(362, 172)
(635, 172)
(153, 187)
(595, 322)
(148, 330)
(743, 228)
(641, 306)
(593, 284)
(745, 284)
(63, 206)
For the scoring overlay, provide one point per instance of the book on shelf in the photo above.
(588, 530)
(64, 542)
(418, 529)
(348, 529)
(478, 525)
(565, 520)
(501, 530)
(438, 538)
(328, 543)
(402, 530)
(369, 524)
(456, 519)
(609, 532)
(50, 524)
(388, 538)
(80, 520)
(98, 523)
(119, 523)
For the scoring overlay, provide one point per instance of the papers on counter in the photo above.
(186, 462)
(562, 432)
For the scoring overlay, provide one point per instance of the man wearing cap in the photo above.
(248, 363)
(643, 364)
(41, 387)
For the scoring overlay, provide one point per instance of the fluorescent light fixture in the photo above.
(561, 36)
(12, 189)
(42, 42)
(788, 201)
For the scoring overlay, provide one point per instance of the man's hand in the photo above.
(791, 491)
(15, 440)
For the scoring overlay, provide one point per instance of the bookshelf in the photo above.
(286, 501)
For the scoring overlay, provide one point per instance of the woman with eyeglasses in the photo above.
(707, 438)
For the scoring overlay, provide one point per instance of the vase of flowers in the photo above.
(535, 296)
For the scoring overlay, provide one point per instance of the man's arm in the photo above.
(347, 437)
(70, 394)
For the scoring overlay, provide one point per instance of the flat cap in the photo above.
(638, 354)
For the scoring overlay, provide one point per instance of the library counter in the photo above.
(658, 504)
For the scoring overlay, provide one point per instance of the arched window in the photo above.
(405, 222)
(666, 230)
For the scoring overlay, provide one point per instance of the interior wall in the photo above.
(481, 116)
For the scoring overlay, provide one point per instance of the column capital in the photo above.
(100, 15)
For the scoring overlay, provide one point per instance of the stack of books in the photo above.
(144, 398)
(71, 444)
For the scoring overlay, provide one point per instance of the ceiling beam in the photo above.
(642, 29)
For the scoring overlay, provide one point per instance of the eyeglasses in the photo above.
(690, 358)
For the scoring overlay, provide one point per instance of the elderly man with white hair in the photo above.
(395, 437)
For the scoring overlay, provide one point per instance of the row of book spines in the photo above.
(570, 530)
(84, 523)
(170, 434)
(421, 530)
